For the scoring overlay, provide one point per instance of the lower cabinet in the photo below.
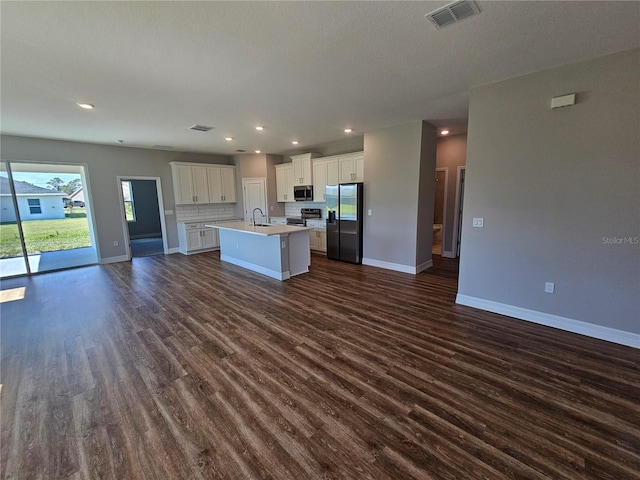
(196, 238)
(317, 235)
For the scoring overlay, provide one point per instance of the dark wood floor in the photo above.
(175, 367)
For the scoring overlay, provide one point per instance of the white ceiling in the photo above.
(304, 70)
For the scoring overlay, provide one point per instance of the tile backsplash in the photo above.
(293, 209)
(205, 212)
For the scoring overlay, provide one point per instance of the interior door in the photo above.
(255, 196)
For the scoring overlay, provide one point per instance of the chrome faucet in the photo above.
(253, 215)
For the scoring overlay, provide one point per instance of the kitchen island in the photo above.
(278, 251)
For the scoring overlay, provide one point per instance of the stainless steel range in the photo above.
(305, 213)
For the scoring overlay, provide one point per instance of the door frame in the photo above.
(455, 247)
(444, 205)
(125, 226)
(263, 180)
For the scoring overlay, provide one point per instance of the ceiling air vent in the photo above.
(240, 151)
(200, 128)
(452, 13)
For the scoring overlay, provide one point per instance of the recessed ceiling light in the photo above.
(295, 142)
(257, 151)
(228, 139)
(444, 132)
(259, 128)
(347, 130)
(86, 106)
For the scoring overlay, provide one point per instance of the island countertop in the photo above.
(256, 230)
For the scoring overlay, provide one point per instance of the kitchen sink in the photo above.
(263, 225)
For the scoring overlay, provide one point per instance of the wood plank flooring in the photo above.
(174, 367)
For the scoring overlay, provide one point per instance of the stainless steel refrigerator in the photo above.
(344, 214)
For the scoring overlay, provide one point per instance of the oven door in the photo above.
(303, 193)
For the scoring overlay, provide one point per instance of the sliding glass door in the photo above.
(12, 251)
(52, 223)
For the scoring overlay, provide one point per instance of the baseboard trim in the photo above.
(119, 258)
(146, 235)
(398, 267)
(173, 250)
(447, 254)
(256, 268)
(568, 324)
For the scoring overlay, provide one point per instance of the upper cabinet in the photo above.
(284, 182)
(222, 184)
(302, 168)
(198, 183)
(352, 167)
(325, 172)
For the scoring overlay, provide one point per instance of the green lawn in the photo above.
(46, 235)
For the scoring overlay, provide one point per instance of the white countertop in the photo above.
(265, 231)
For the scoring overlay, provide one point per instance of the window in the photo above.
(34, 205)
(127, 196)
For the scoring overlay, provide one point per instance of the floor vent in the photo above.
(200, 128)
(452, 13)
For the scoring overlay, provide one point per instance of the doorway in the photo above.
(45, 219)
(143, 219)
(439, 210)
(254, 196)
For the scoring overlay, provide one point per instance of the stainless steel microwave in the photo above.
(303, 193)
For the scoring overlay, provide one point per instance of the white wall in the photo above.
(104, 164)
(552, 186)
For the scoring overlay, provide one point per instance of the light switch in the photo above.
(369, 212)
(549, 287)
(478, 222)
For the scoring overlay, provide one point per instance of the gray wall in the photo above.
(147, 212)
(550, 185)
(451, 153)
(104, 164)
(426, 193)
(258, 166)
(396, 164)
(353, 143)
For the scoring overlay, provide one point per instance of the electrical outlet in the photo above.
(549, 287)
(369, 212)
(115, 243)
(478, 222)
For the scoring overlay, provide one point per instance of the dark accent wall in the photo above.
(145, 202)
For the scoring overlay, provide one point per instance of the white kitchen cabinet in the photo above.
(190, 183)
(284, 183)
(198, 183)
(352, 167)
(302, 172)
(222, 184)
(196, 238)
(317, 235)
(325, 172)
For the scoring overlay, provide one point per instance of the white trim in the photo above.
(444, 205)
(125, 227)
(398, 267)
(621, 337)
(119, 258)
(173, 250)
(448, 254)
(456, 217)
(257, 268)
